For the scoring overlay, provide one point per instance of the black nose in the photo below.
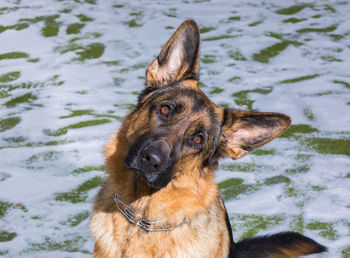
(155, 156)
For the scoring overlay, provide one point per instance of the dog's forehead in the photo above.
(190, 97)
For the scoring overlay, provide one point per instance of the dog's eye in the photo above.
(197, 141)
(165, 111)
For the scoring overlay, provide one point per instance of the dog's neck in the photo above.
(171, 204)
(143, 222)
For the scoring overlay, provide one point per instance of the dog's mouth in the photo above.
(158, 179)
(152, 180)
(151, 162)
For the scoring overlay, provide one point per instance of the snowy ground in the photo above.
(71, 70)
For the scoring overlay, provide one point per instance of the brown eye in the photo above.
(165, 110)
(198, 139)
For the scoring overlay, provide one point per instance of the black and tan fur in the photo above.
(162, 162)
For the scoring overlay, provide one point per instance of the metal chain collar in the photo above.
(149, 226)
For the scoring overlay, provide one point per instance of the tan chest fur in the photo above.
(120, 238)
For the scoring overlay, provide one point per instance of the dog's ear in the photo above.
(179, 58)
(243, 131)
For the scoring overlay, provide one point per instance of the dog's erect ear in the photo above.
(243, 131)
(179, 58)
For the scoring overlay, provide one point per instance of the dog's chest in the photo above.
(188, 240)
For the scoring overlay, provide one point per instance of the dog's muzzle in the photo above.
(155, 156)
(151, 162)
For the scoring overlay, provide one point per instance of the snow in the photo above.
(35, 165)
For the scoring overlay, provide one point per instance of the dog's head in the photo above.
(176, 129)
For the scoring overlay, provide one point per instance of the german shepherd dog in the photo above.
(160, 198)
